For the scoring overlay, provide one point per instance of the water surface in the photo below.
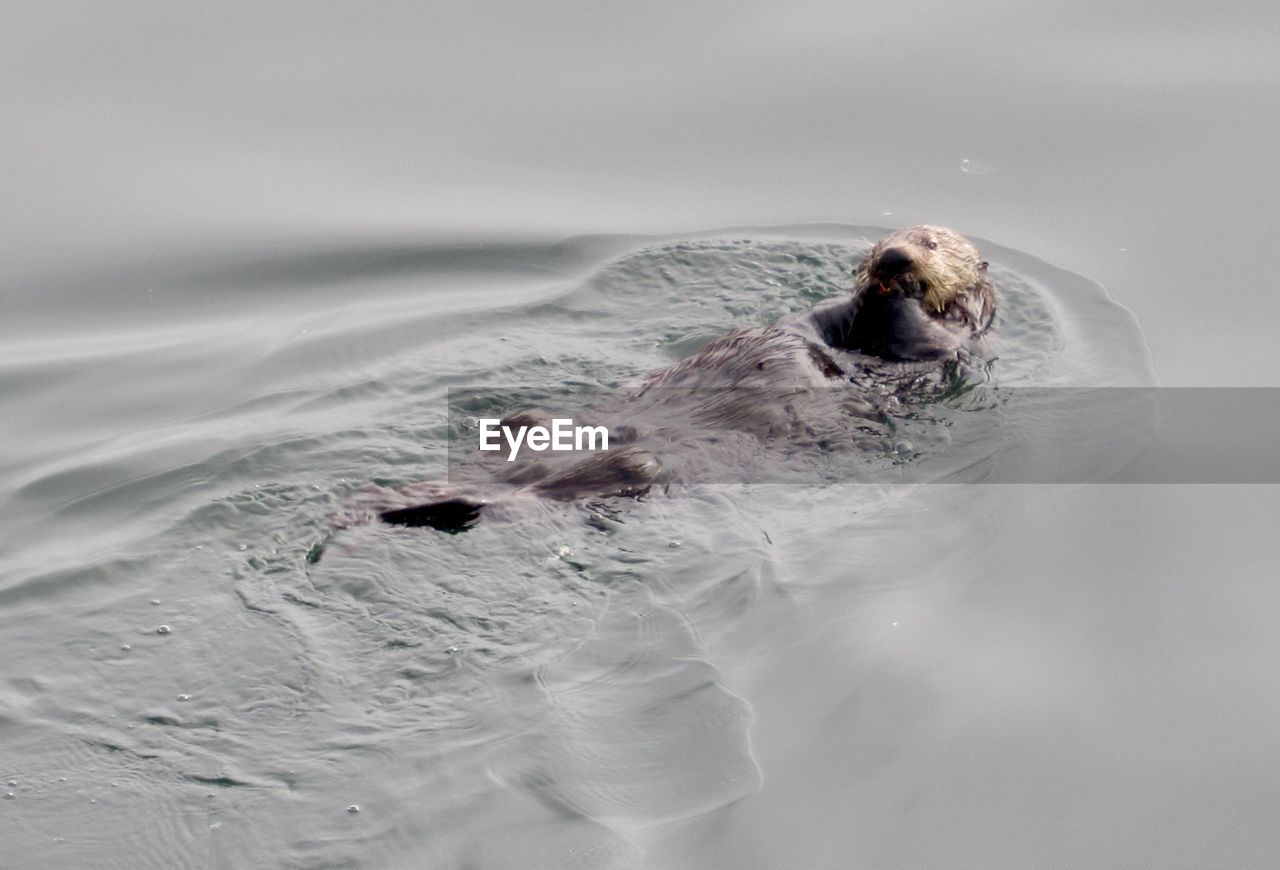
(247, 250)
(532, 690)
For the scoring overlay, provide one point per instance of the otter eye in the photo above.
(983, 265)
(931, 244)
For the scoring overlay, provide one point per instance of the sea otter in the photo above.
(921, 298)
(921, 294)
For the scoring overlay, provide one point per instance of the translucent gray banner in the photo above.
(910, 432)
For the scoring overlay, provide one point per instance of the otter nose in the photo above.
(893, 261)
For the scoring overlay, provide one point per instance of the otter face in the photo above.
(935, 265)
(924, 290)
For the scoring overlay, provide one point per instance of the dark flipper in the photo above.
(627, 472)
(450, 515)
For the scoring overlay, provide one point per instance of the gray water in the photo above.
(247, 251)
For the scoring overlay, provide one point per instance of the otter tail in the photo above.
(451, 515)
(627, 472)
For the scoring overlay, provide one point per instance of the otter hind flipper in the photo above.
(451, 515)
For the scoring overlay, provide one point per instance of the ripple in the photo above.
(543, 692)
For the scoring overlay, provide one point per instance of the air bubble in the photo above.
(973, 167)
(164, 629)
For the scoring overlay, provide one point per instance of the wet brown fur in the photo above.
(921, 295)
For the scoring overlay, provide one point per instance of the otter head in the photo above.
(923, 293)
